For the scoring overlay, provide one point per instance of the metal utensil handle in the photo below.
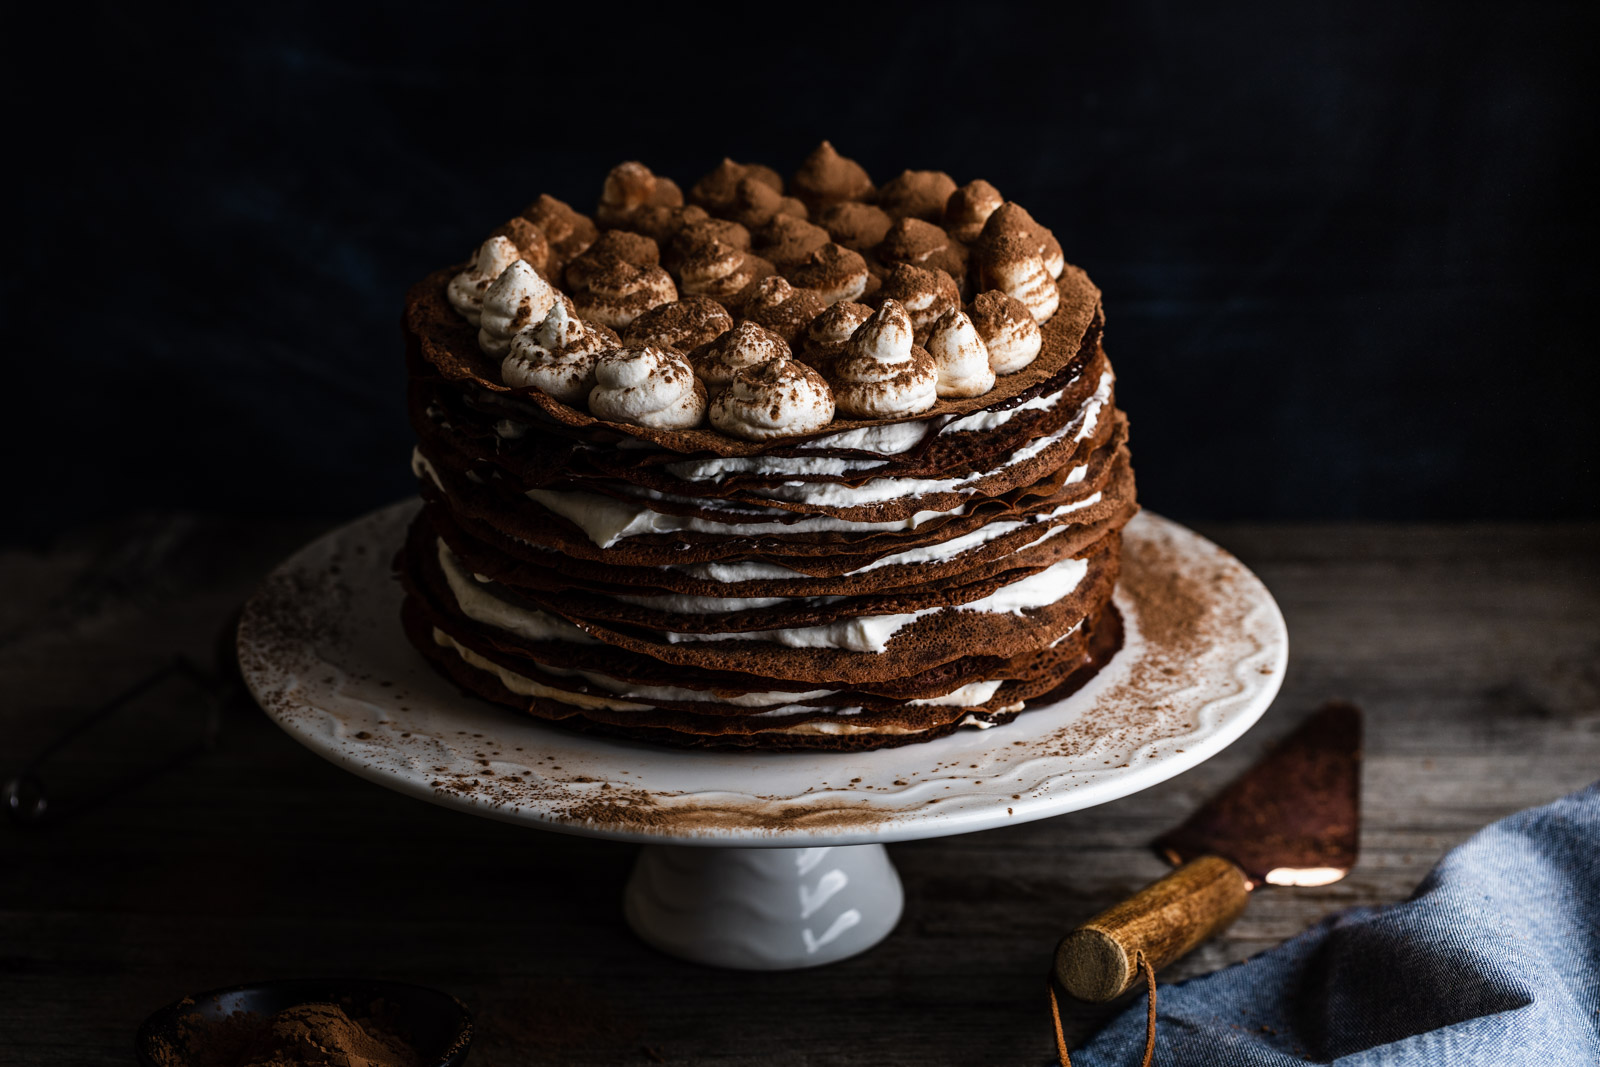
(1164, 920)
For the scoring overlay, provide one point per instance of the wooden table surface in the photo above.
(1474, 650)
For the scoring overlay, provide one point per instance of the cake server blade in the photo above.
(1294, 817)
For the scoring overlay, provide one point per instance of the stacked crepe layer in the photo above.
(871, 582)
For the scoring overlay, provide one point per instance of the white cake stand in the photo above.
(762, 860)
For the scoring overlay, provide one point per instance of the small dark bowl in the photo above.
(440, 1025)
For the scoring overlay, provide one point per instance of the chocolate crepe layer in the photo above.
(519, 564)
(438, 336)
(472, 418)
(489, 500)
(928, 640)
(638, 607)
(866, 718)
(872, 581)
(1104, 637)
(728, 695)
(952, 472)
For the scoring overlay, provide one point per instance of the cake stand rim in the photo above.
(1052, 795)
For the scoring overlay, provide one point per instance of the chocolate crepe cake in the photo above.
(818, 465)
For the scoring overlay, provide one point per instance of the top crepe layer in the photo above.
(449, 345)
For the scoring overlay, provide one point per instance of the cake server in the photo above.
(1290, 820)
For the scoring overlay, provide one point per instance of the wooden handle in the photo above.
(1099, 960)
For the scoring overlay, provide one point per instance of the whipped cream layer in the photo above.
(524, 686)
(829, 725)
(872, 633)
(887, 441)
(476, 598)
(941, 552)
(632, 697)
(606, 520)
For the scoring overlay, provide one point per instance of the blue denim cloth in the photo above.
(1494, 960)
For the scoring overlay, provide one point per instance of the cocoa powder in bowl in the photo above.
(307, 1035)
(309, 1023)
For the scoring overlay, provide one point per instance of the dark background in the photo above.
(1348, 251)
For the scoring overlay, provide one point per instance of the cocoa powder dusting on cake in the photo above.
(856, 225)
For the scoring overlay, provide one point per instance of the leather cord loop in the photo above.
(1150, 1016)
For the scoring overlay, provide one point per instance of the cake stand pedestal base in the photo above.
(763, 909)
